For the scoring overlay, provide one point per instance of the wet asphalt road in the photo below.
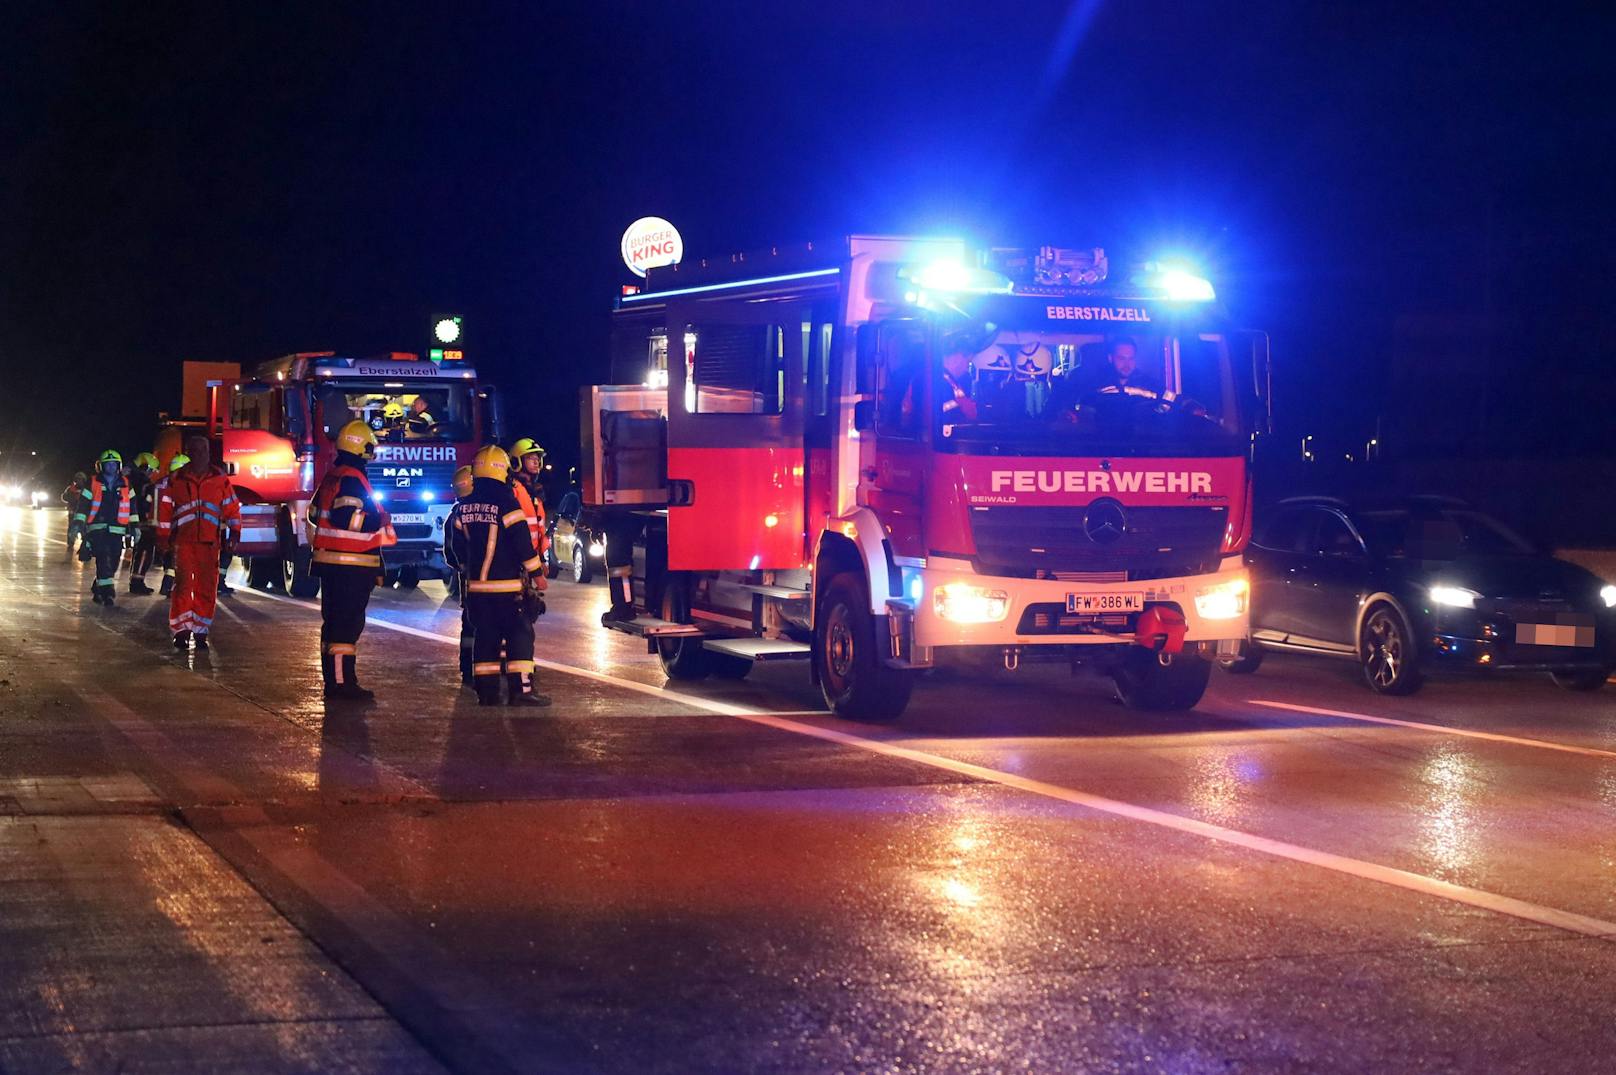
(202, 867)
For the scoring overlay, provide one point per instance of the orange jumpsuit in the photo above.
(195, 515)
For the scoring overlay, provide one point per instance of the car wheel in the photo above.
(1386, 653)
(580, 564)
(552, 566)
(1144, 682)
(1583, 681)
(1247, 661)
(854, 676)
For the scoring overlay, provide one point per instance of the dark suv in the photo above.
(1418, 584)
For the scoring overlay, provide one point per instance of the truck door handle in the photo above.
(681, 492)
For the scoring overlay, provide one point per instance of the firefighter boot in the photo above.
(182, 640)
(487, 689)
(519, 692)
(201, 639)
(224, 587)
(621, 588)
(138, 587)
(341, 681)
(166, 587)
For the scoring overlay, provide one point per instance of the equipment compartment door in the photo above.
(735, 436)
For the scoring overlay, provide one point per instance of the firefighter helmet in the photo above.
(180, 460)
(492, 462)
(394, 411)
(525, 447)
(109, 456)
(356, 438)
(462, 481)
(147, 460)
(78, 476)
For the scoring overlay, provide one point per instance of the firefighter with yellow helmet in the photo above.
(143, 480)
(491, 540)
(165, 554)
(527, 483)
(347, 532)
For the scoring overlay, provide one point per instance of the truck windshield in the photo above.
(428, 413)
(1061, 392)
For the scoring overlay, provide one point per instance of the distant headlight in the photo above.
(40, 496)
(1454, 596)
(1224, 601)
(1608, 595)
(961, 602)
(597, 548)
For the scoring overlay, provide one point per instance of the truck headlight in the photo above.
(1224, 601)
(961, 602)
(1608, 595)
(1454, 596)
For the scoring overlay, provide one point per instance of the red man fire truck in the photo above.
(871, 453)
(274, 433)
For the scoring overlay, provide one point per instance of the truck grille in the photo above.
(412, 479)
(1025, 542)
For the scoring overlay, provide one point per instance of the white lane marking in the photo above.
(1541, 744)
(1569, 921)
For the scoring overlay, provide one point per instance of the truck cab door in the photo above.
(892, 368)
(735, 436)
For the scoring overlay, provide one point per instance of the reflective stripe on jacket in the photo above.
(196, 511)
(94, 495)
(492, 542)
(533, 508)
(343, 526)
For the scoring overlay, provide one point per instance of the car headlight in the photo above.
(40, 497)
(597, 548)
(1608, 595)
(1224, 601)
(961, 602)
(1454, 596)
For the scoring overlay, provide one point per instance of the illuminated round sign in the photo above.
(447, 330)
(651, 242)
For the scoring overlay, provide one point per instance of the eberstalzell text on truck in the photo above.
(274, 432)
(871, 453)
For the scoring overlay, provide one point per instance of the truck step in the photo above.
(783, 593)
(651, 627)
(759, 649)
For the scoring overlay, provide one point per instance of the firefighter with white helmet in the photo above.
(500, 562)
(347, 532)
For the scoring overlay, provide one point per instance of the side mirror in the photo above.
(1255, 345)
(864, 415)
(297, 417)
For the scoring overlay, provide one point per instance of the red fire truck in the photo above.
(867, 454)
(274, 433)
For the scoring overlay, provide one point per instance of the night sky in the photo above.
(199, 181)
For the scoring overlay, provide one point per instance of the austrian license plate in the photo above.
(412, 519)
(1098, 604)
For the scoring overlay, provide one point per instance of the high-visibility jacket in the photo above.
(492, 543)
(533, 508)
(96, 495)
(344, 527)
(197, 509)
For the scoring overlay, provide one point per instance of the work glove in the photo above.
(532, 601)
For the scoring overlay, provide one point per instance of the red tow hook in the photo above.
(1161, 629)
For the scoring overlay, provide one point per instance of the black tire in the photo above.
(1144, 683)
(581, 574)
(1584, 681)
(296, 578)
(1387, 653)
(682, 658)
(552, 566)
(853, 674)
(408, 578)
(1247, 661)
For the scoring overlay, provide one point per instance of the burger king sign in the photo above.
(651, 242)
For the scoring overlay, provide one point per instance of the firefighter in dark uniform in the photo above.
(500, 563)
(107, 509)
(453, 555)
(347, 532)
(143, 486)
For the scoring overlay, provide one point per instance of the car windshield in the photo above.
(1142, 391)
(1438, 535)
(445, 412)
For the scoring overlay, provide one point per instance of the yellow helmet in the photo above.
(492, 462)
(524, 448)
(462, 481)
(179, 462)
(356, 438)
(393, 411)
(147, 460)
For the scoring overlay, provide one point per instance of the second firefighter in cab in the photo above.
(501, 570)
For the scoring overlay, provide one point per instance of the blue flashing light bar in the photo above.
(787, 278)
(953, 276)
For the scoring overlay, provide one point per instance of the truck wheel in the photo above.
(853, 673)
(408, 578)
(682, 658)
(580, 564)
(1143, 682)
(1387, 653)
(1247, 661)
(295, 576)
(1591, 680)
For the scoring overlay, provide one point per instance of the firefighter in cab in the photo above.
(165, 555)
(527, 482)
(198, 517)
(500, 563)
(463, 482)
(106, 508)
(347, 532)
(143, 484)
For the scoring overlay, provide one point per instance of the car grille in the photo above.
(1045, 542)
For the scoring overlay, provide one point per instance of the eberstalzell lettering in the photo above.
(1097, 313)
